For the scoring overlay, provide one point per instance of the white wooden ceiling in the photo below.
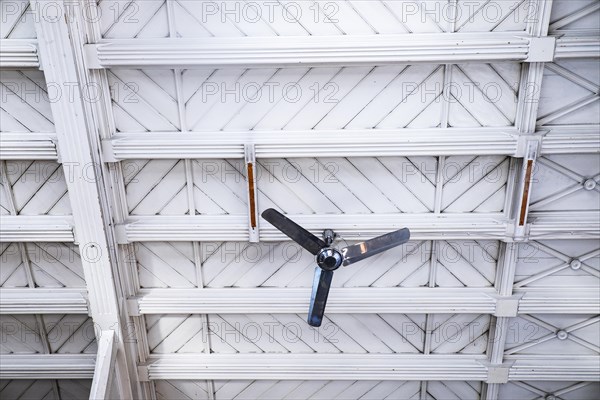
(126, 208)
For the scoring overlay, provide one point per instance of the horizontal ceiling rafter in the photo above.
(335, 50)
(43, 301)
(347, 143)
(47, 366)
(366, 367)
(19, 53)
(370, 50)
(30, 146)
(570, 300)
(42, 228)
(288, 144)
(544, 225)
(348, 226)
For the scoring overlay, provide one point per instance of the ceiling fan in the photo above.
(329, 258)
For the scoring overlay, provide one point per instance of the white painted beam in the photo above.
(575, 139)
(422, 227)
(44, 228)
(308, 50)
(564, 225)
(543, 225)
(60, 42)
(567, 300)
(310, 143)
(335, 50)
(19, 53)
(317, 366)
(563, 300)
(172, 228)
(43, 301)
(347, 143)
(577, 47)
(47, 366)
(296, 301)
(366, 367)
(105, 366)
(348, 226)
(554, 368)
(342, 50)
(28, 146)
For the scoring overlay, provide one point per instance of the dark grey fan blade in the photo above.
(318, 299)
(294, 231)
(377, 245)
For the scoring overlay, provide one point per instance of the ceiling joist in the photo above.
(570, 300)
(577, 47)
(288, 144)
(347, 143)
(342, 143)
(347, 226)
(33, 146)
(47, 366)
(580, 139)
(43, 228)
(311, 51)
(312, 143)
(335, 50)
(368, 367)
(544, 225)
(19, 53)
(43, 301)
(564, 225)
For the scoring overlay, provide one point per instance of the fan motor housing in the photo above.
(329, 259)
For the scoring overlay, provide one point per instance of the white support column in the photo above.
(58, 43)
(104, 372)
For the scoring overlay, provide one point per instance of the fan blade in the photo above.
(318, 299)
(377, 245)
(294, 231)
